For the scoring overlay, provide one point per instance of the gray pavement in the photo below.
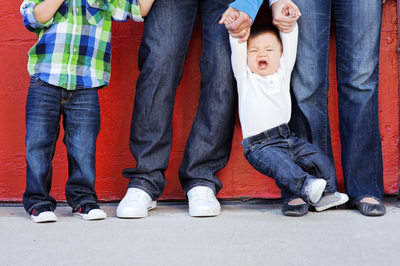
(252, 233)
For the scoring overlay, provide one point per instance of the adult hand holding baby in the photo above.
(284, 15)
(238, 23)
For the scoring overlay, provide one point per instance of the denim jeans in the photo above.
(357, 26)
(291, 161)
(80, 110)
(162, 53)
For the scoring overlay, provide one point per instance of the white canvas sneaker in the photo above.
(314, 189)
(90, 211)
(331, 200)
(43, 215)
(202, 202)
(135, 204)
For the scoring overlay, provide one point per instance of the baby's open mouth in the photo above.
(262, 64)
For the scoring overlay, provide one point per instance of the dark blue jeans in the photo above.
(357, 26)
(168, 28)
(80, 111)
(291, 161)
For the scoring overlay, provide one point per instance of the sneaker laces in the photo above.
(137, 195)
(203, 193)
(87, 207)
(41, 209)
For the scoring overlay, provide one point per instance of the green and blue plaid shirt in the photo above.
(73, 49)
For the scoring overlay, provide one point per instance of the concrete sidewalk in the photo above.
(244, 234)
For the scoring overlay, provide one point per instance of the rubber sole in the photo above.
(44, 217)
(132, 213)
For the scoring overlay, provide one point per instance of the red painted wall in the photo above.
(113, 154)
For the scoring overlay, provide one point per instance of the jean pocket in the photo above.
(96, 11)
(259, 144)
(62, 13)
(36, 82)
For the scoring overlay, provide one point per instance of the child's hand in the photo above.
(290, 11)
(284, 15)
(231, 17)
(238, 23)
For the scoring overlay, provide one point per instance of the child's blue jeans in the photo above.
(80, 110)
(291, 161)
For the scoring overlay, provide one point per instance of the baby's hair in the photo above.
(257, 30)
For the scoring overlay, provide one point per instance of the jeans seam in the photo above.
(378, 136)
(53, 147)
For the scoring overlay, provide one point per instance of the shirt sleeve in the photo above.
(271, 2)
(28, 16)
(250, 7)
(238, 57)
(289, 43)
(121, 10)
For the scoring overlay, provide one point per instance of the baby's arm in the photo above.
(289, 43)
(289, 39)
(239, 49)
(239, 57)
(145, 6)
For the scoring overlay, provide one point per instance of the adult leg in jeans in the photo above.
(209, 143)
(162, 53)
(81, 119)
(358, 28)
(310, 83)
(311, 91)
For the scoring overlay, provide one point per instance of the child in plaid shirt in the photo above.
(68, 64)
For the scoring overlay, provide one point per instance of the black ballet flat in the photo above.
(369, 209)
(295, 210)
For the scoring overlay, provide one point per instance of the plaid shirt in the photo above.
(73, 50)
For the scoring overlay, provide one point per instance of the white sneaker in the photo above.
(314, 189)
(43, 215)
(135, 204)
(90, 211)
(202, 202)
(331, 200)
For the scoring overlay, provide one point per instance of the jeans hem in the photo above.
(199, 183)
(43, 203)
(82, 203)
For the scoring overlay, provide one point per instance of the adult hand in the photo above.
(284, 15)
(240, 28)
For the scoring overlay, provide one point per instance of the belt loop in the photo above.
(266, 134)
(287, 129)
(280, 131)
(284, 130)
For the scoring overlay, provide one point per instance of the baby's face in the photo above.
(263, 54)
